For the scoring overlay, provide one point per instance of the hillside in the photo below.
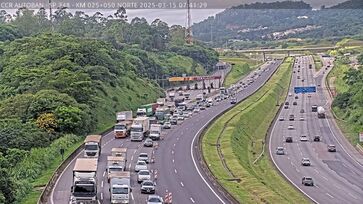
(61, 82)
(279, 20)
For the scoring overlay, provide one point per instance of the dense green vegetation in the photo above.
(242, 132)
(69, 76)
(261, 21)
(348, 104)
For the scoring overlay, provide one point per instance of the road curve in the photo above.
(338, 176)
(177, 170)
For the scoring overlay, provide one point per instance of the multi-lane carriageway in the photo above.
(177, 169)
(338, 176)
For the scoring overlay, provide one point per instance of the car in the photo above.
(167, 125)
(307, 181)
(288, 139)
(281, 119)
(143, 175)
(332, 148)
(154, 199)
(317, 138)
(140, 165)
(296, 97)
(196, 110)
(309, 95)
(302, 111)
(207, 105)
(305, 162)
(173, 122)
(290, 94)
(148, 142)
(291, 117)
(190, 114)
(180, 117)
(202, 107)
(143, 157)
(286, 107)
(298, 77)
(302, 80)
(302, 118)
(180, 93)
(280, 151)
(286, 103)
(148, 186)
(186, 114)
(304, 138)
(290, 127)
(294, 103)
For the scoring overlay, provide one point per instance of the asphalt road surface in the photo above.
(175, 169)
(337, 176)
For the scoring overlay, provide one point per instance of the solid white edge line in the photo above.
(273, 160)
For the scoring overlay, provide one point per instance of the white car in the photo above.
(196, 110)
(167, 125)
(143, 157)
(155, 199)
(180, 117)
(290, 127)
(280, 151)
(305, 162)
(143, 175)
(302, 118)
(290, 94)
(140, 165)
(304, 138)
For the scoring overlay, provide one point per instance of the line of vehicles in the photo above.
(320, 114)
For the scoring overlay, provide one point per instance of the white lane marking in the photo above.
(132, 196)
(329, 195)
(175, 171)
(316, 171)
(102, 184)
(182, 184)
(101, 196)
(353, 196)
(173, 161)
(174, 145)
(132, 157)
(192, 200)
(129, 166)
(135, 151)
(104, 173)
(172, 151)
(324, 177)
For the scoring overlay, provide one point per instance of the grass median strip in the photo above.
(318, 63)
(241, 135)
(241, 67)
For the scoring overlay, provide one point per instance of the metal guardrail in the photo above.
(44, 196)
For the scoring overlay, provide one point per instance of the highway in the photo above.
(177, 170)
(337, 176)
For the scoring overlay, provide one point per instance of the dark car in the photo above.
(173, 122)
(296, 97)
(294, 103)
(307, 181)
(148, 186)
(148, 142)
(286, 107)
(302, 111)
(287, 103)
(288, 139)
(317, 138)
(291, 117)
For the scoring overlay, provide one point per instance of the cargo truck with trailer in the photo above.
(146, 110)
(84, 185)
(123, 125)
(140, 128)
(92, 146)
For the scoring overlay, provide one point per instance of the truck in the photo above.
(140, 128)
(155, 131)
(84, 185)
(171, 95)
(120, 187)
(146, 110)
(233, 100)
(115, 164)
(123, 116)
(161, 112)
(92, 146)
(161, 101)
(119, 152)
(123, 125)
(321, 112)
(314, 108)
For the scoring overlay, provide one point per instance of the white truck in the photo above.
(140, 128)
(120, 187)
(155, 131)
(119, 152)
(115, 164)
(84, 186)
(123, 125)
(161, 101)
(321, 112)
(171, 95)
(92, 146)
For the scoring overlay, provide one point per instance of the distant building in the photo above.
(221, 65)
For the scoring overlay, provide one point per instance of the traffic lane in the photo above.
(175, 183)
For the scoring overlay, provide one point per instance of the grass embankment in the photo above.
(241, 67)
(336, 81)
(318, 63)
(242, 141)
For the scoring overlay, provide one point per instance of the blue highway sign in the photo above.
(305, 89)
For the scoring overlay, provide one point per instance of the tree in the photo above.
(47, 122)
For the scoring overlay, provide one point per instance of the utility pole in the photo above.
(51, 15)
(189, 25)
